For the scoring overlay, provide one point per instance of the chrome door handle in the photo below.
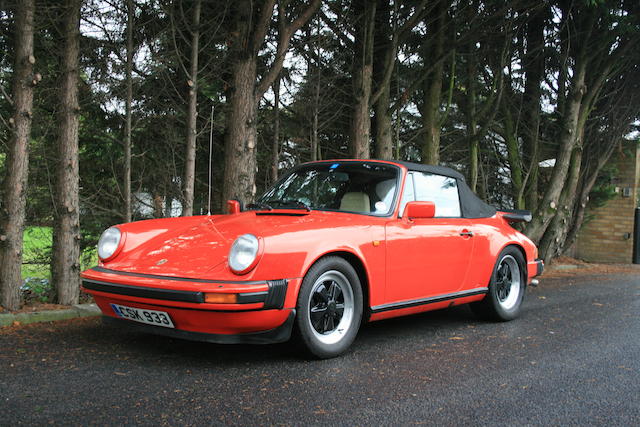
(466, 233)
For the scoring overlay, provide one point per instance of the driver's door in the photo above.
(431, 256)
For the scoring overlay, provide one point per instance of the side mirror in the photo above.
(415, 210)
(233, 207)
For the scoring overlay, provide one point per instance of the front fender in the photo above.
(291, 255)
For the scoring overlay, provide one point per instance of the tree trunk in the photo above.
(384, 46)
(472, 125)
(240, 135)
(157, 205)
(314, 122)
(275, 145)
(555, 234)
(433, 86)
(168, 206)
(513, 155)
(362, 80)
(127, 126)
(192, 114)
(240, 143)
(247, 37)
(314, 66)
(534, 72)
(361, 120)
(65, 266)
(576, 108)
(384, 126)
(388, 35)
(12, 214)
(587, 184)
(565, 44)
(431, 118)
(548, 206)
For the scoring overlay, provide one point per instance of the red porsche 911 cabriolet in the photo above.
(331, 245)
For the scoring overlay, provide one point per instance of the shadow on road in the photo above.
(403, 331)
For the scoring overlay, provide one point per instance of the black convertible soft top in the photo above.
(472, 206)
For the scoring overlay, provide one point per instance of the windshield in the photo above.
(362, 187)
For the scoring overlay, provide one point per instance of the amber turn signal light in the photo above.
(221, 298)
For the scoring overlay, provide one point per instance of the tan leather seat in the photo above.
(385, 190)
(355, 202)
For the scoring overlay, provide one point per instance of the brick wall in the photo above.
(604, 237)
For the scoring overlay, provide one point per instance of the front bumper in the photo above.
(262, 313)
(273, 297)
(535, 268)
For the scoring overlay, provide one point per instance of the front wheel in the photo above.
(506, 289)
(329, 308)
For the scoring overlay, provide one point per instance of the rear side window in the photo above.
(442, 190)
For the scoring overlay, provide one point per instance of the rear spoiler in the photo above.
(516, 215)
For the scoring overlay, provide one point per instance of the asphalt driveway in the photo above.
(573, 358)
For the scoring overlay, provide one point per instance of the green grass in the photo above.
(36, 260)
(36, 253)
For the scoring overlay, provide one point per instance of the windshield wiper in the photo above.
(292, 204)
(259, 205)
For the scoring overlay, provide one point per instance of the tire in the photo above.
(329, 309)
(506, 289)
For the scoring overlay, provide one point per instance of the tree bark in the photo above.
(128, 102)
(360, 137)
(556, 232)
(387, 37)
(513, 155)
(548, 207)
(275, 145)
(472, 124)
(316, 113)
(12, 212)
(245, 93)
(534, 72)
(574, 110)
(240, 144)
(384, 126)
(65, 266)
(157, 205)
(384, 46)
(192, 114)
(433, 86)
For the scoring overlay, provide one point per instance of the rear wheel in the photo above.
(506, 289)
(329, 308)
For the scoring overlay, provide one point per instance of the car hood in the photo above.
(198, 247)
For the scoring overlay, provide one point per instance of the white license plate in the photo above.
(150, 317)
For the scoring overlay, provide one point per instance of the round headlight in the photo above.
(108, 243)
(243, 253)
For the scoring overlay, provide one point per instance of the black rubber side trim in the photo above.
(166, 294)
(143, 292)
(277, 294)
(426, 301)
(273, 298)
(252, 297)
(177, 279)
(277, 335)
(540, 265)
